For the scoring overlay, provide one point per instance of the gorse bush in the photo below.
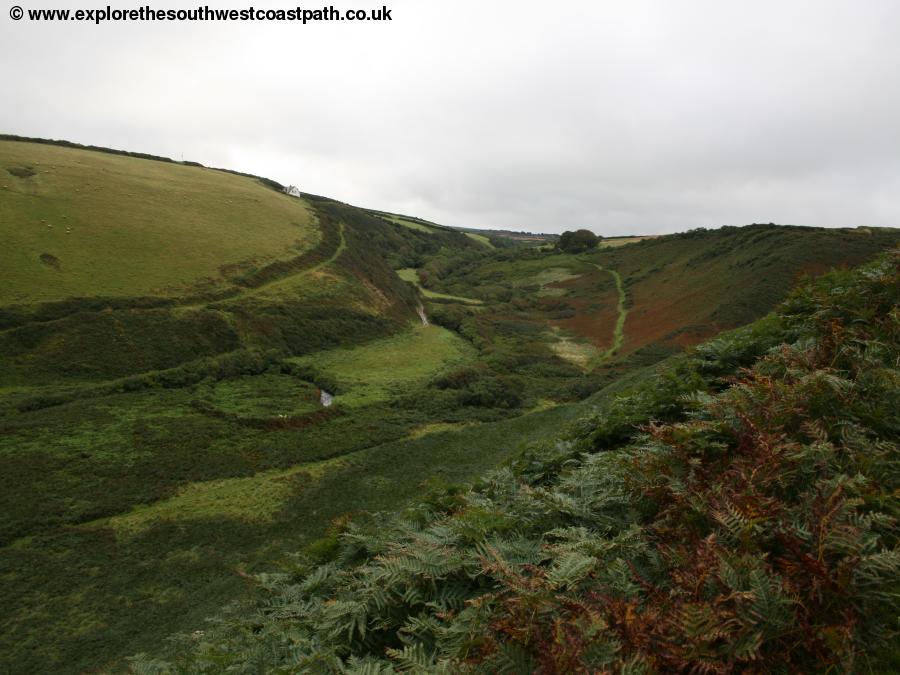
(725, 518)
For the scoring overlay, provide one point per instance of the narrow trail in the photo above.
(409, 274)
(622, 312)
(341, 247)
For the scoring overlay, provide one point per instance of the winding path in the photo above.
(267, 285)
(622, 312)
(341, 247)
(191, 303)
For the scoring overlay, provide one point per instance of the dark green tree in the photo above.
(577, 241)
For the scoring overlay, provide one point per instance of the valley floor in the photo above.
(88, 589)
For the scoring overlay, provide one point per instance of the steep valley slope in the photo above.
(166, 331)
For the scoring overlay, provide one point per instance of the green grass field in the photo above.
(580, 352)
(621, 241)
(265, 395)
(77, 223)
(411, 224)
(480, 238)
(376, 371)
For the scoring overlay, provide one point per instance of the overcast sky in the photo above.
(623, 117)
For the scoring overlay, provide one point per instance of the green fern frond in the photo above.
(570, 570)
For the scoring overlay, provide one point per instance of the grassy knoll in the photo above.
(548, 276)
(78, 223)
(580, 352)
(308, 280)
(257, 498)
(376, 371)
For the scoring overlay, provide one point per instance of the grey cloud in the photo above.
(632, 117)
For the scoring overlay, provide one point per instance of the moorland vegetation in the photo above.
(162, 439)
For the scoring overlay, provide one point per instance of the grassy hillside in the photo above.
(428, 227)
(686, 287)
(712, 519)
(148, 265)
(174, 433)
(641, 301)
(384, 369)
(79, 224)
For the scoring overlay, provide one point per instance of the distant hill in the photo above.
(648, 297)
(683, 288)
(522, 238)
(485, 236)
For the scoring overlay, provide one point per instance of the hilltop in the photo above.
(89, 224)
(163, 364)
